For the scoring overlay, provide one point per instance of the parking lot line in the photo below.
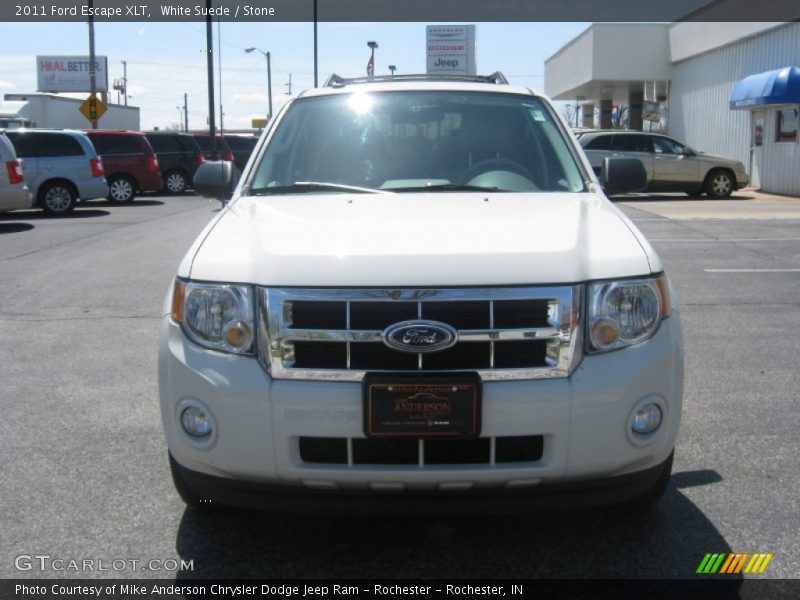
(752, 270)
(723, 240)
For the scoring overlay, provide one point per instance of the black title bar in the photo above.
(405, 10)
(711, 588)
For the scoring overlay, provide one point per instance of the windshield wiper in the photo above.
(301, 187)
(449, 187)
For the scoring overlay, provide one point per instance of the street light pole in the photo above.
(92, 69)
(316, 70)
(212, 128)
(125, 81)
(269, 76)
(372, 45)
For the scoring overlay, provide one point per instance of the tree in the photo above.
(570, 114)
(621, 120)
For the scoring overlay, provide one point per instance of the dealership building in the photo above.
(731, 89)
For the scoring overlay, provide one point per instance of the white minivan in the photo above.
(420, 298)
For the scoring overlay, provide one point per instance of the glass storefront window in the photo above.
(787, 125)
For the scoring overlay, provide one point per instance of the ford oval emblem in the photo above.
(419, 337)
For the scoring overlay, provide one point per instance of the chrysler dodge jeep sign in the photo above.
(450, 49)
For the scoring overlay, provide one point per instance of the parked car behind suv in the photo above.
(223, 151)
(178, 158)
(241, 147)
(671, 166)
(129, 162)
(419, 298)
(14, 194)
(60, 167)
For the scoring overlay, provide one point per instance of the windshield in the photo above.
(411, 140)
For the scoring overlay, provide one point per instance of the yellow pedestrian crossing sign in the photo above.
(93, 108)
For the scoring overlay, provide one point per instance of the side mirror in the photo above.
(215, 179)
(688, 151)
(623, 175)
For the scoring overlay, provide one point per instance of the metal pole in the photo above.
(269, 85)
(125, 81)
(219, 72)
(316, 70)
(92, 69)
(185, 112)
(289, 85)
(212, 128)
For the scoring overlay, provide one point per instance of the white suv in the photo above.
(419, 297)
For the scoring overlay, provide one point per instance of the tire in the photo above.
(650, 498)
(121, 189)
(175, 182)
(57, 197)
(187, 494)
(718, 184)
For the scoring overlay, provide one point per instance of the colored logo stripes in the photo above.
(741, 562)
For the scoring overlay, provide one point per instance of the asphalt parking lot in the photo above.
(85, 474)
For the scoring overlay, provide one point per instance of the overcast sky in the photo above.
(167, 59)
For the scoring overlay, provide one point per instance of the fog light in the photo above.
(196, 422)
(646, 419)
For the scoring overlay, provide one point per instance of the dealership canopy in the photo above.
(780, 86)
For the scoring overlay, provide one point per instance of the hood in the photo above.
(418, 239)
(716, 159)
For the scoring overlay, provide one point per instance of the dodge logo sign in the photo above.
(419, 336)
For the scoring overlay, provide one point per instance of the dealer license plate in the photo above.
(422, 406)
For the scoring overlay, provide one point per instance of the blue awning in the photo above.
(781, 86)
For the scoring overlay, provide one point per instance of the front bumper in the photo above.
(583, 419)
(297, 498)
(742, 179)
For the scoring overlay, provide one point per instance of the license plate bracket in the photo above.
(415, 405)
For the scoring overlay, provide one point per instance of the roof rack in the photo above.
(338, 81)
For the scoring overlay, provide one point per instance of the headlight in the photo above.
(623, 313)
(216, 316)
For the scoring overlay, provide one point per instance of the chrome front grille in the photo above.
(336, 334)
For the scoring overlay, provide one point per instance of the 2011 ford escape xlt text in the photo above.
(419, 298)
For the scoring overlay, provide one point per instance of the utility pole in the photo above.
(125, 81)
(219, 72)
(289, 85)
(185, 112)
(92, 69)
(316, 69)
(269, 85)
(212, 127)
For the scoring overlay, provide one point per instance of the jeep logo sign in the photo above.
(450, 49)
(419, 337)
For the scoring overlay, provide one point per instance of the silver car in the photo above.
(14, 194)
(60, 166)
(671, 166)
